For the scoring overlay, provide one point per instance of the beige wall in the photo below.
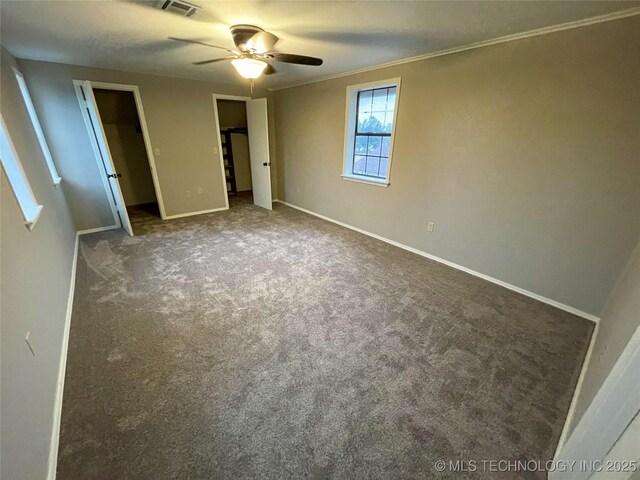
(35, 269)
(232, 113)
(526, 155)
(180, 118)
(620, 319)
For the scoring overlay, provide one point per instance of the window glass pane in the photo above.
(380, 100)
(391, 99)
(380, 123)
(383, 166)
(373, 163)
(361, 145)
(364, 122)
(359, 164)
(374, 146)
(386, 142)
(388, 122)
(364, 102)
(374, 123)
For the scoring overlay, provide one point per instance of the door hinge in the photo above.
(113, 175)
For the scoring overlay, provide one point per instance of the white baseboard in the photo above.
(554, 303)
(189, 214)
(57, 408)
(576, 392)
(97, 229)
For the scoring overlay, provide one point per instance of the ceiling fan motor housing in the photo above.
(242, 34)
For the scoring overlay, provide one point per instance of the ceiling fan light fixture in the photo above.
(249, 67)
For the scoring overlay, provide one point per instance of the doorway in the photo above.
(123, 133)
(117, 129)
(234, 138)
(243, 143)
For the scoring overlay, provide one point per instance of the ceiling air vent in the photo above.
(180, 7)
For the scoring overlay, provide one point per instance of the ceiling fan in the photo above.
(254, 52)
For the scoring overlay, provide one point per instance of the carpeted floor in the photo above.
(256, 344)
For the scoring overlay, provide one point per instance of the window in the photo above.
(18, 180)
(36, 126)
(371, 120)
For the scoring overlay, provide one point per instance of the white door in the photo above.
(105, 155)
(609, 415)
(258, 126)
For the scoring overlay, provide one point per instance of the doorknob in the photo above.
(114, 175)
(266, 164)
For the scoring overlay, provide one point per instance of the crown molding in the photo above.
(471, 46)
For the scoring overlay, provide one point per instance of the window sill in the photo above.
(370, 181)
(31, 222)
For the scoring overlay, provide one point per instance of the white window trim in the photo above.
(37, 127)
(350, 130)
(18, 179)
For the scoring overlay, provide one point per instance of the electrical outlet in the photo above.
(215, 149)
(156, 151)
(199, 189)
(188, 193)
(430, 227)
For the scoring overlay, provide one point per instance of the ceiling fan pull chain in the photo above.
(252, 81)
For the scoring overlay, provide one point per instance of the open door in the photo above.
(103, 148)
(258, 126)
(605, 423)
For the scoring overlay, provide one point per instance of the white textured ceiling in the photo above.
(132, 35)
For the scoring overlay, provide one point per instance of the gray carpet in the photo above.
(256, 344)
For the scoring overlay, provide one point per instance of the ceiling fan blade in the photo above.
(269, 70)
(205, 62)
(262, 42)
(298, 59)
(198, 42)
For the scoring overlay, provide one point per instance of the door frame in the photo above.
(216, 119)
(77, 86)
(610, 413)
(145, 135)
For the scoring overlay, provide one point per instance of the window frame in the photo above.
(18, 180)
(35, 122)
(351, 116)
